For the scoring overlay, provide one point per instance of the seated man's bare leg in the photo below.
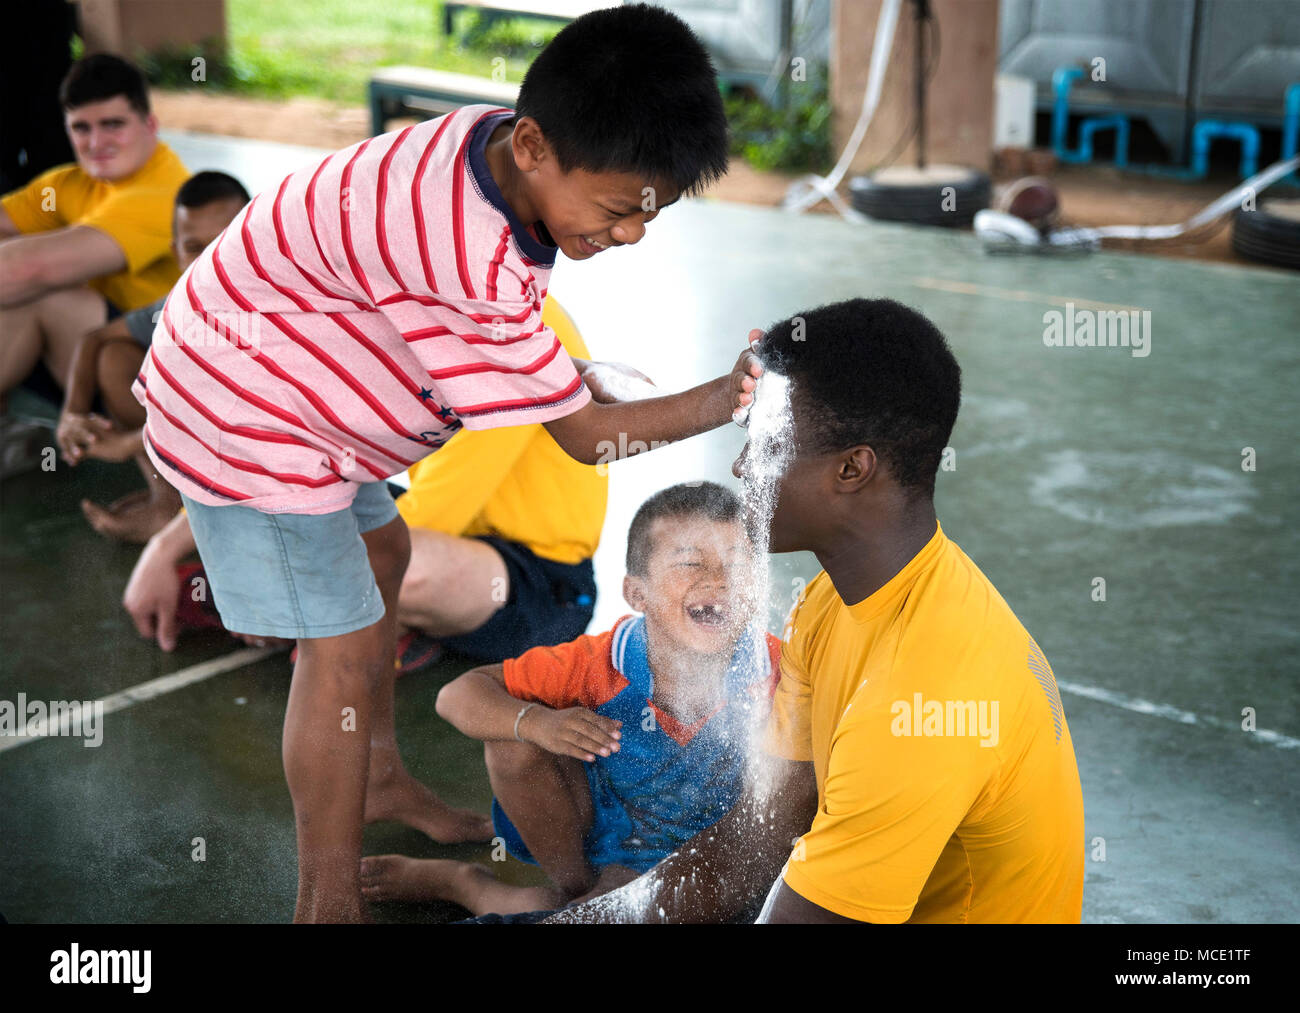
(439, 561)
(548, 799)
(21, 345)
(472, 886)
(63, 318)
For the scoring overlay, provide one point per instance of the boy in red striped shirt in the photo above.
(350, 320)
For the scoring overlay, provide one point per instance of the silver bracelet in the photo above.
(520, 716)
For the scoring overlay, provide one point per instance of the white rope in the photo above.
(812, 189)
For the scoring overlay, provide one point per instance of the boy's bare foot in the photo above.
(134, 518)
(397, 877)
(403, 799)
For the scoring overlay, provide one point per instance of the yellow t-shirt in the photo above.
(514, 482)
(136, 212)
(946, 778)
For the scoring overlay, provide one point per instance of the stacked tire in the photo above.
(939, 195)
(1270, 234)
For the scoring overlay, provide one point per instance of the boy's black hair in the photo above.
(100, 77)
(630, 89)
(688, 499)
(208, 186)
(873, 372)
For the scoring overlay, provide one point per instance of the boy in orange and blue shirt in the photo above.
(609, 752)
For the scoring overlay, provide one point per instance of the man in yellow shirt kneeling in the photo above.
(919, 767)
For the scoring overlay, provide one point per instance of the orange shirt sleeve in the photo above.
(576, 674)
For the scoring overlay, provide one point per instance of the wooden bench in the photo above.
(395, 91)
(542, 10)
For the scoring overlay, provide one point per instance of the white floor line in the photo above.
(1161, 710)
(237, 659)
(147, 691)
(1017, 295)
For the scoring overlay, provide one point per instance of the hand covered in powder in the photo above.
(744, 381)
(610, 382)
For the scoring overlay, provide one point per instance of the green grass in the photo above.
(328, 48)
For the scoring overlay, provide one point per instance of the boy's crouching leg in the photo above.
(326, 754)
(548, 800)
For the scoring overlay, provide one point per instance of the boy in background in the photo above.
(607, 753)
(107, 359)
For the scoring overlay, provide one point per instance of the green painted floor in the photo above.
(1071, 464)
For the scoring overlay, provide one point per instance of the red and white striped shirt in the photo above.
(349, 321)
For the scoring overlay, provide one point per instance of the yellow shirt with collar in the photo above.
(947, 784)
(135, 211)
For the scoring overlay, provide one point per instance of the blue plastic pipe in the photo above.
(1063, 79)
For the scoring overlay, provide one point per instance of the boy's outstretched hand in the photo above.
(575, 732)
(744, 380)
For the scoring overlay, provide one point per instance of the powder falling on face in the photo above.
(769, 453)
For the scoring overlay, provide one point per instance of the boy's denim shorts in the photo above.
(292, 575)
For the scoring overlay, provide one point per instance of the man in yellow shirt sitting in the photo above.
(503, 527)
(917, 753)
(81, 244)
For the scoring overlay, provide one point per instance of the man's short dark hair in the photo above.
(209, 186)
(873, 372)
(689, 499)
(630, 89)
(100, 77)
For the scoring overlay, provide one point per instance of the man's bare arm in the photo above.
(715, 876)
(33, 265)
(7, 227)
(591, 435)
(599, 433)
(789, 908)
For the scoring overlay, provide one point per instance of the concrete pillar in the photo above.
(959, 97)
(128, 27)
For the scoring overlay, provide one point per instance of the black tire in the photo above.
(925, 203)
(1270, 234)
